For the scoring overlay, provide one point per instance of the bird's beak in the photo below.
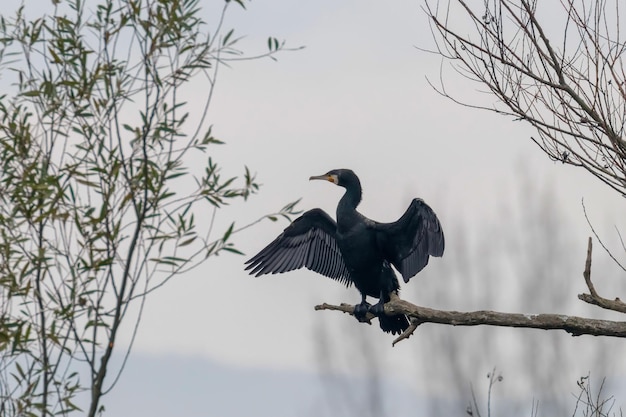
(319, 177)
(326, 177)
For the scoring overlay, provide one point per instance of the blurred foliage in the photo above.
(103, 195)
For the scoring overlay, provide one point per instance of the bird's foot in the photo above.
(361, 310)
(378, 309)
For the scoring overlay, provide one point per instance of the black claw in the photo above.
(360, 311)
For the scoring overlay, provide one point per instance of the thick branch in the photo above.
(574, 325)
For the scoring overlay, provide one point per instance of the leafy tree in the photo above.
(102, 184)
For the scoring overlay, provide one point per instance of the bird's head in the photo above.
(340, 177)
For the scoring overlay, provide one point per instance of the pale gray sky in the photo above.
(356, 97)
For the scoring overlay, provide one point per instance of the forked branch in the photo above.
(593, 297)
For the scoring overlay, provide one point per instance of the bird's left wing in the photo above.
(307, 242)
(408, 242)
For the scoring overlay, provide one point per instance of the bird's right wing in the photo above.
(310, 242)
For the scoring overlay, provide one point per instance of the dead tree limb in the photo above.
(574, 325)
(593, 297)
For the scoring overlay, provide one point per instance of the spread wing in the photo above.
(310, 242)
(408, 242)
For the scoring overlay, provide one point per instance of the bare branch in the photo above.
(593, 297)
(564, 77)
(593, 230)
(574, 325)
(408, 332)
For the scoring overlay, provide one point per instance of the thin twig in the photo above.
(600, 240)
(408, 332)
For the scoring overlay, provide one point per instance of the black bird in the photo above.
(356, 249)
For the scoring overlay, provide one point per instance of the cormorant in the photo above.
(356, 249)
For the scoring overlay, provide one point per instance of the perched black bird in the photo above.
(356, 249)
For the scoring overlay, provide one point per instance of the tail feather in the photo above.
(393, 324)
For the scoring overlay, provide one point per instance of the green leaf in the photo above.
(228, 232)
(239, 2)
(187, 242)
(55, 57)
(227, 37)
(232, 250)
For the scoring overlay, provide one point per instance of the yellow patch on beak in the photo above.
(328, 177)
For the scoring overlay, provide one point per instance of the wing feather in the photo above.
(297, 258)
(307, 242)
(409, 242)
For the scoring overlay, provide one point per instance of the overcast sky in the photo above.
(355, 97)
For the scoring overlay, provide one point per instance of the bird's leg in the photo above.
(378, 309)
(360, 310)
